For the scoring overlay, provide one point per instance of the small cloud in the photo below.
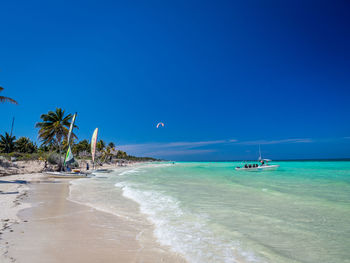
(263, 142)
(170, 148)
(346, 137)
(192, 144)
(198, 147)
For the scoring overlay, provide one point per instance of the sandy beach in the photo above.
(39, 224)
(13, 190)
(20, 167)
(36, 166)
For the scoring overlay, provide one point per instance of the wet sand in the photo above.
(55, 229)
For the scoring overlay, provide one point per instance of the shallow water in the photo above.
(208, 212)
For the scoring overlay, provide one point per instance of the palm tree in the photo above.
(121, 155)
(3, 99)
(107, 154)
(111, 145)
(54, 128)
(81, 147)
(7, 143)
(25, 145)
(100, 145)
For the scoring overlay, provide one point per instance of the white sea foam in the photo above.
(184, 232)
(213, 215)
(92, 200)
(132, 171)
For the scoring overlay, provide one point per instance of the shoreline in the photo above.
(42, 209)
(13, 190)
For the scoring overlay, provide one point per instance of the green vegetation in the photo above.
(140, 159)
(25, 149)
(81, 147)
(25, 145)
(4, 99)
(54, 128)
(53, 132)
(7, 143)
(121, 155)
(21, 149)
(100, 145)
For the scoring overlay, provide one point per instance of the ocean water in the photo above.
(208, 212)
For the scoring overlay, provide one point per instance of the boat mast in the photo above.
(259, 153)
(69, 156)
(13, 122)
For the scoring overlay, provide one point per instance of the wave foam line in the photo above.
(182, 231)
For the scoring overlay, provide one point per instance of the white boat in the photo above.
(67, 175)
(264, 167)
(255, 167)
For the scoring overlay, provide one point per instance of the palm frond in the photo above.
(4, 99)
(54, 126)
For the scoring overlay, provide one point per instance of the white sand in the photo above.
(20, 167)
(12, 189)
(53, 225)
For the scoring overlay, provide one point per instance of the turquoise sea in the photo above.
(208, 212)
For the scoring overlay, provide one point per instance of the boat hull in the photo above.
(260, 168)
(65, 175)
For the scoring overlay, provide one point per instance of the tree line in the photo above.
(23, 145)
(53, 135)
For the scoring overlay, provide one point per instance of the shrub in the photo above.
(53, 158)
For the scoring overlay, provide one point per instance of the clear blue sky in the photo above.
(223, 76)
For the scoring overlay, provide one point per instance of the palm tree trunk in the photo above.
(61, 166)
(60, 150)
